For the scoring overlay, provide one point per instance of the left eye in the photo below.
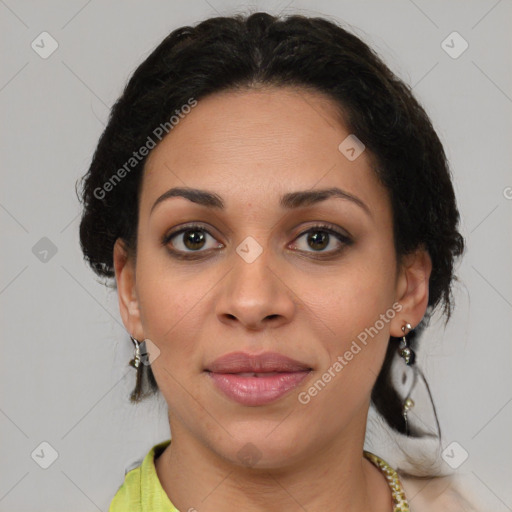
(320, 237)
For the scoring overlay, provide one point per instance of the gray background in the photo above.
(64, 376)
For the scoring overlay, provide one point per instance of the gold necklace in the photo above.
(397, 492)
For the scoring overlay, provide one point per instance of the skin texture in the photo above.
(250, 147)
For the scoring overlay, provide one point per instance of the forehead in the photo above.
(250, 145)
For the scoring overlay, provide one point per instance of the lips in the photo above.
(255, 380)
(268, 362)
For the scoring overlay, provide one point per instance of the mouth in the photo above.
(254, 380)
(259, 375)
(254, 389)
(267, 362)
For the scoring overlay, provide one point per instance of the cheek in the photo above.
(350, 302)
(169, 311)
(168, 314)
(354, 346)
(169, 302)
(353, 294)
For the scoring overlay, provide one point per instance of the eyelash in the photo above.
(190, 255)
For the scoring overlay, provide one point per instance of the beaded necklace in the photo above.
(397, 492)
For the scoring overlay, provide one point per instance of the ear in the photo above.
(126, 291)
(412, 290)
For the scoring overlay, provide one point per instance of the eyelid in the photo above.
(186, 227)
(343, 238)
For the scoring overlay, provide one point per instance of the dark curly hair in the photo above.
(237, 52)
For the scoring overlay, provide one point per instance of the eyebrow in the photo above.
(288, 201)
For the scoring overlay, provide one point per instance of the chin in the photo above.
(254, 448)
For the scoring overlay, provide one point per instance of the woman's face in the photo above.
(257, 274)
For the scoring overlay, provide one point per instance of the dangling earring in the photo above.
(405, 351)
(408, 355)
(135, 362)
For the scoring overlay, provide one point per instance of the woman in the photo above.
(278, 215)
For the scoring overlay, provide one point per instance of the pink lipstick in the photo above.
(256, 379)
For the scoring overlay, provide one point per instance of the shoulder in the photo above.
(448, 493)
(141, 489)
(128, 495)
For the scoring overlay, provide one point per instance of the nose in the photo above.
(256, 294)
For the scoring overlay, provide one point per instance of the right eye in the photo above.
(189, 239)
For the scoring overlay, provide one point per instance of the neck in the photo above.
(334, 478)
